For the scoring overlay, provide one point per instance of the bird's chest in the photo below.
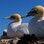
(37, 26)
(33, 24)
(14, 25)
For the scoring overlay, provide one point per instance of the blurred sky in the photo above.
(22, 7)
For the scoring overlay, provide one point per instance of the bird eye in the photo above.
(12, 17)
(34, 11)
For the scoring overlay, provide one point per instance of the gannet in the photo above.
(15, 28)
(36, 24)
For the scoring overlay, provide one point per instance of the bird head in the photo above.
(35, 11)
(14, 17)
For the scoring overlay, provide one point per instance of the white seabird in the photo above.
(36, 24)
(16, 29)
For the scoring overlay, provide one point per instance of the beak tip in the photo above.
(5, 18)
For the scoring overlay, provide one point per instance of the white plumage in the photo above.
(16, 29)
(36, 24)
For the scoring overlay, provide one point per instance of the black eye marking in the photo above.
(34, 11)
(12, 17)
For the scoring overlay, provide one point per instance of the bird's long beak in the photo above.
(31, 13)
(6, 18)
(28, 14)
(24, 16)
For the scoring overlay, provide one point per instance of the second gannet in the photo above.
(36, 24)
(15, 28)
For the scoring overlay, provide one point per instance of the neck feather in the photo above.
(19, 21)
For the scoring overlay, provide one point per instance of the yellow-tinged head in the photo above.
(35, 11)
(39, 9)
(14, 17)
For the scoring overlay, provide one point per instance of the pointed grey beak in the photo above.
(24, 16)
(29, 14)
(6, 18)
